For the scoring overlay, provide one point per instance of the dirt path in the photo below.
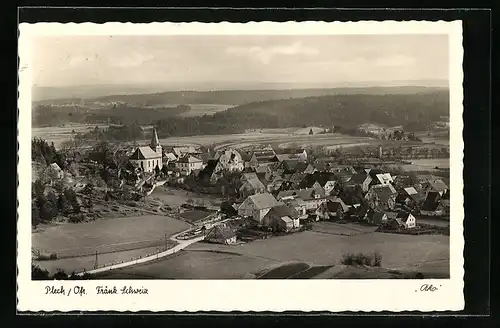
(181, 245)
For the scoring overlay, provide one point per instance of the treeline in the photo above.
(130, 132)
(38, 273)
(348, 111)
(57, 201)
(52, 115)
(46, 154)
(239, 97)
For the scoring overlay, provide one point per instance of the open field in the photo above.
(429, 165)
(176, 197)
(204, 109)
(81, 263)
(60, 134)
(194, 265)
(198, 261)
(109, 235)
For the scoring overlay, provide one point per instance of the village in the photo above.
(233, 196)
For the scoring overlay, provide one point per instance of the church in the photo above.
(148, 157)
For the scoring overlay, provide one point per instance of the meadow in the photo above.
(106, 235)
(204, 109)
(213, 261)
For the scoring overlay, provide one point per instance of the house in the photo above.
(376, 217)
(274, 184)
(149, 157)
(384, 178)
(53, 172)
(264, 172)
(293, 166)
(281, 218)
(410, 197)
(230, 160)
(301, 157)
(432, 205)
(228, 209)
(406, 220)
(265, 156)
(332, 208)
(298, 205)
(188, 164)
(312, 198)
(361, 179)
(436, 185)
(317, 179)
(251, 185)
(310, 169)
(352, 196)
(381, 197)
(169, 158)
(180, 152)
(257, 206)
(221, 234)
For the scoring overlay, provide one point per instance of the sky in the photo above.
(224, 60)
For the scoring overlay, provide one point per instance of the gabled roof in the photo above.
(410, 191)
(144, 153)
(220, 232)
(181, 151)
(170, 156)
(373, 173)
(390, 186)
(283, 210)
(189, 159)
(248, 176)
(383, 192)
(376, 216)
(437, 185)
(304, 194)
(359, 178)
(321, 177)
(403, 216)
(263, 201)
(294, 165)
(431, 202)
(255, 183)
(335, 202)
(384, 178)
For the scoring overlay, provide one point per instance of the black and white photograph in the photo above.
(246, 156)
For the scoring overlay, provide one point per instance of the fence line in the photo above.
(133, 259)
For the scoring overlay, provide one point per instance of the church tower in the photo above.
(155, 143)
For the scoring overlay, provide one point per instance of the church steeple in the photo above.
(155, 143)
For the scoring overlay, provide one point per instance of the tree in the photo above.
(35, 213)
(63, 204)
(157, 170)
(70, 195)
(311, 132)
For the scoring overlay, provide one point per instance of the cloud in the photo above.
(266, 54)
(395, 61)
(134, 60)
(79, 60)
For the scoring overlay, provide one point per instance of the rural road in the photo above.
(182, 244)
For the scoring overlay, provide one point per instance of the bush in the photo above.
(53, 256)
(373, 260)
(77, 218)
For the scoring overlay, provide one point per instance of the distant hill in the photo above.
(227, 97)
(392, 106)
(414, 110)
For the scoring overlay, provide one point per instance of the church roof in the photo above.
(144, 153)
(154, 139)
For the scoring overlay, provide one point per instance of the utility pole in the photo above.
(96, 262)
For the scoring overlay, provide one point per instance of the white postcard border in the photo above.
(245, 295)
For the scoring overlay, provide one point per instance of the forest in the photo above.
(413, 111)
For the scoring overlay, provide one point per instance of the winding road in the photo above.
(182, 244)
